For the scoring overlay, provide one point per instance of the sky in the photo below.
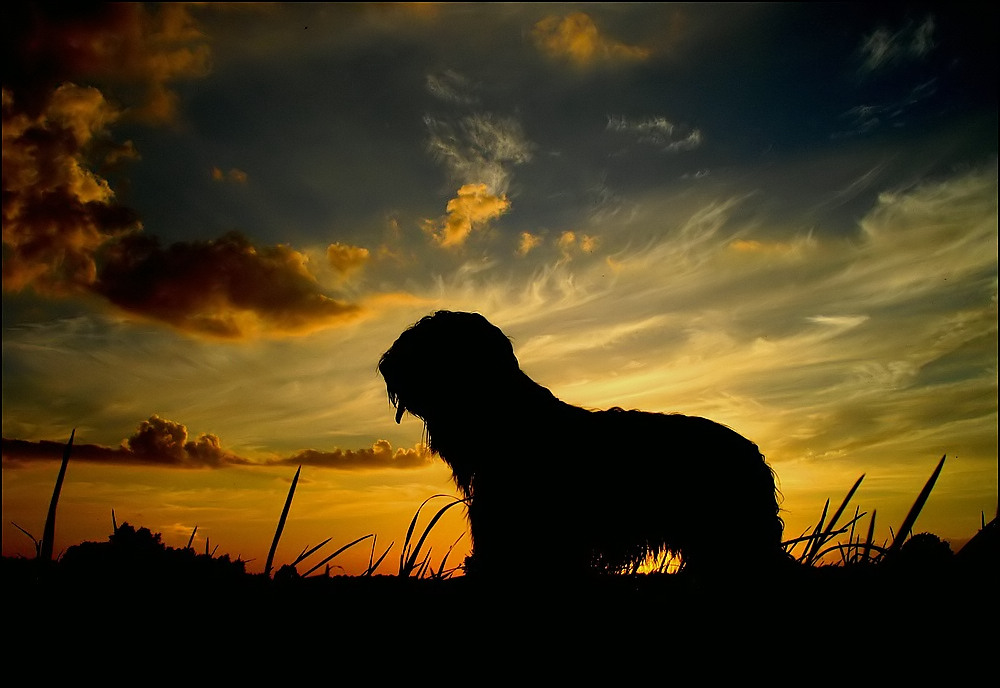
(216, 218)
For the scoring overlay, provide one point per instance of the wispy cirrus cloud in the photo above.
(884, 48)
(658, 132)
(864, 119)
(479, 148)
(452, 87)
(480, 152)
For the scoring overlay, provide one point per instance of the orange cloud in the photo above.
(233, 175)
(473, 205)
(345, 259)
(528, 242)
(225, 287)
(576, 37)
(569, 241)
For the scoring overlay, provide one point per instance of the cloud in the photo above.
(156, 442)
(864, 119)
(345, 259)
(478, 152)
(451, 87)
(165, 443)
(884, 48)
(570, 242)
(480, 149)
(658, 132)
(792, 249)
(161, 441)
(527, 243)
(576, 38)
(380, 455)
(63, 231)
(139, 48)
(56, 212)
(474, 205)
(225, 287)
(234, 175)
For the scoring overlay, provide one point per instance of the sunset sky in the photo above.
(216, 218)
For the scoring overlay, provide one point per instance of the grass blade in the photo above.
(911, 517)
(865, 557)
(281, 523)
(348, 545)
(305, 555)
(50, 521)
(810, 552)
(411, 562)
(843, 505)
(376, 564)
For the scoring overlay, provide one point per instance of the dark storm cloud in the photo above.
(56, 211)
(225, 287)
(64, 232)
(139, 48)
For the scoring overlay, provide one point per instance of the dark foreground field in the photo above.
(116, 611)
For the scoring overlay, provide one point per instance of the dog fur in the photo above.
(555, 485)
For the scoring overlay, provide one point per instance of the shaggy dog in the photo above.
(575, 489)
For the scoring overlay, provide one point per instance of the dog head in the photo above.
(448, 366)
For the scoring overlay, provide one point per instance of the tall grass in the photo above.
(415, 562)
(855, 551)
(408, 563)
(49, 535)
(281, 523)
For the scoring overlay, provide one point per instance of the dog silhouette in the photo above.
(562, 488)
